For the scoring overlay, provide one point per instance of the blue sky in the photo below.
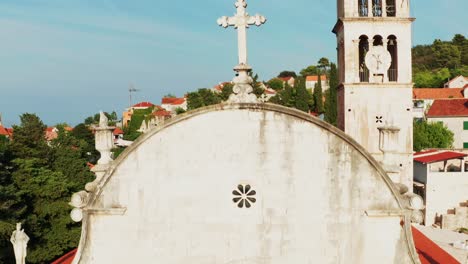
(68, 59)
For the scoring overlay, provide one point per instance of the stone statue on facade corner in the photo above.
(103, 120)
(20, 240)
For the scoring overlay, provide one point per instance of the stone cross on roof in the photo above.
(241, 21)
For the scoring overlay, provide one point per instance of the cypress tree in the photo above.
(302, 96)
(331, 100)
(318, 96)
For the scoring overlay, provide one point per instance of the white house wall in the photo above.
(454, 124)
(444, 191)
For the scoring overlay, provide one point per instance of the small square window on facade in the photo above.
(465, 145)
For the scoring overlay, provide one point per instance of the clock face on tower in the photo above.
(378, 60)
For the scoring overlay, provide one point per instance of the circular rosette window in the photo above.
(244, 196)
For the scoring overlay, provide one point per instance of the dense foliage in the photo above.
(37, 180)
(131, 132)
(431, 135)
(297, 97)
(331, 101)
(434, 65)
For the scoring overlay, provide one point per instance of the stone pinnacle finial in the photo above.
(104, 140)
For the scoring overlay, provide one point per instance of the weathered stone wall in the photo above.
(368, 107)
(319, 197)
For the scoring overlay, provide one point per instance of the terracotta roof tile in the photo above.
(449, 108)
(144, 104)
(173, 101)
(118, 131)
(437, 93)
(314, 78)
(162, 113)
(4, 131)
(429, 252)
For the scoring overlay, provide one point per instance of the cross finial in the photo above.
(241, 21)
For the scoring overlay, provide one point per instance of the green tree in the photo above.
(276, 84)
(38, 185)
(226, 91)
(318, 96)
(10, 204)
(179, 110)
(284, 74)
(431, 135)
(302, 95)
(431, 79)
(202, 97)
(446, 55)
(285, 97)
(310, 70)
(323, 64)
(331, 103)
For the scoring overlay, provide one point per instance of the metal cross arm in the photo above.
(241, 21)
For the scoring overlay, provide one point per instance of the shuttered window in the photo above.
(465, 125)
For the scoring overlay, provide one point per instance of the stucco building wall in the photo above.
(445, 191)
(454, 124)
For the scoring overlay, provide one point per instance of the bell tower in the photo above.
(375, 93)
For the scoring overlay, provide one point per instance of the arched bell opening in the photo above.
(363, 49)
(392, 47)
(377, 41)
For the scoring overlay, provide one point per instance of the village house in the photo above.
(457, 82)
(424, 97)
(441, 179)
(127, 115)
(311, 80)
(219, 87)
(454, 115)
(288, 80)
(171, 104)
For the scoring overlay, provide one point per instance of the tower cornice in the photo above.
(342, 20)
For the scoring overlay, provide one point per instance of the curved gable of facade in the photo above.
(245, 183)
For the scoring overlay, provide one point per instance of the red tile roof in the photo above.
(4, 131)
(439, 156)
(314, 78)
(118, 131)
(449, 108)
(429, 252)
(144, 104)
(173, 101)
(437, 93)
(162, 113)
(67, 258)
